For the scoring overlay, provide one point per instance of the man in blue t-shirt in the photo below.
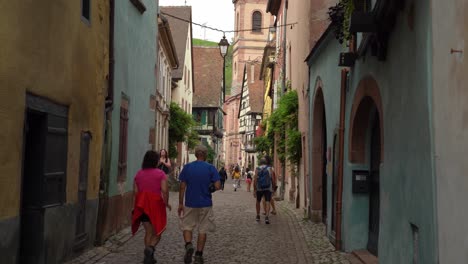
(197, 180)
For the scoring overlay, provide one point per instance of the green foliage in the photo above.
(340, 16)
(293, 146)
(204, 43)
(193, 139)
(348, 11)
(211, 153)
(180, 128)
(284, 128)
(228, 71)
(263, 144)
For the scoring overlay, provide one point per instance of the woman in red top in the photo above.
(151, 199)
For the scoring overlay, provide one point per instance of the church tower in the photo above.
(251, 18)
(248, 45)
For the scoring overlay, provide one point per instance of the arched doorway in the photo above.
(319, 160)
(366, 148)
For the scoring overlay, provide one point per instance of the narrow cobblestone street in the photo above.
(238, 239)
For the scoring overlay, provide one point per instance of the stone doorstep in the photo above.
(365, 257)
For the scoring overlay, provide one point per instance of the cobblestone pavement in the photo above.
(238, 238)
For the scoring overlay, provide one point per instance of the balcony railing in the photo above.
(250, 148)
(203, 127)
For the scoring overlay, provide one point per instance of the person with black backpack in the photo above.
(263, 187)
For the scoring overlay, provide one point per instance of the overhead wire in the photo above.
(220, 30)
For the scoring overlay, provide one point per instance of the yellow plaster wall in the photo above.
(48, 50)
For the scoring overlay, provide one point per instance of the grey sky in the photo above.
(215, 13)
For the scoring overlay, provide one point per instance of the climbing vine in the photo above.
(283, 129)
(180, 129)
(340, 16)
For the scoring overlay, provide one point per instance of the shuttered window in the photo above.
(123, 140)
(204, 117)
(257, 21)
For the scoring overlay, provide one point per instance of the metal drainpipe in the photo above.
(283, 87)
(339, 190)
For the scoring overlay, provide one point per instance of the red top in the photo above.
(149, 180)
(153, 206)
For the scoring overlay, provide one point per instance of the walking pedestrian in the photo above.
(236, 175)
(275, 187)
(249, 179)
(151, 199)
(223, 175)
(198, 180)
(164, 161)
(263, 187)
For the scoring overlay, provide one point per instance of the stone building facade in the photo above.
(52, 110)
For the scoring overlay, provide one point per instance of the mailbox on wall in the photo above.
(361, 181)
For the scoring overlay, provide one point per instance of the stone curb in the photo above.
(112, 245)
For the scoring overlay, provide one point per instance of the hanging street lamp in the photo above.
(223, 49)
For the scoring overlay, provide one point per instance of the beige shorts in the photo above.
(201, 217)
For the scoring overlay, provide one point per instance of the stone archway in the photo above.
(367, 127)
(318, 155)
(366, 97)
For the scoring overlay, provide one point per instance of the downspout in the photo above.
(107, 144)
(339, 195)
(283, 87)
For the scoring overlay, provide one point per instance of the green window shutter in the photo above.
(204, 118)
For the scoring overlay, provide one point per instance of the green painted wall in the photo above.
(135, 58)
(406, 176)
(325, 73)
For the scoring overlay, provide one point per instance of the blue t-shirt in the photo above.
(198, 175)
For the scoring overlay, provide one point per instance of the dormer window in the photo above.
(257, 21)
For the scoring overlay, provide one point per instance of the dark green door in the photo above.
(374, 195)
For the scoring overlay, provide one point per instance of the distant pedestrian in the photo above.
(236, 175)
(151, 199)
(223, 175)
(275, 187)
(263, 187)
(198, 180)
(249, 179)
(164, 162)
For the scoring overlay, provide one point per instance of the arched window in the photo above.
(237, 23)
(257, 21)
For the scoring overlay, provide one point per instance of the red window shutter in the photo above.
(123, 142)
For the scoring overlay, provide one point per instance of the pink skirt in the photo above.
(248, 181)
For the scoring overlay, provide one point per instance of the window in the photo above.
(86, 10)
(197, 116)
(257, 21)
(237, 22)
(211, 118)
(123, 138)
(188, 86)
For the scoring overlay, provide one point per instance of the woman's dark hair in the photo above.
(165, 151)
(151, 159)
(236, 169)
(268, 160)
